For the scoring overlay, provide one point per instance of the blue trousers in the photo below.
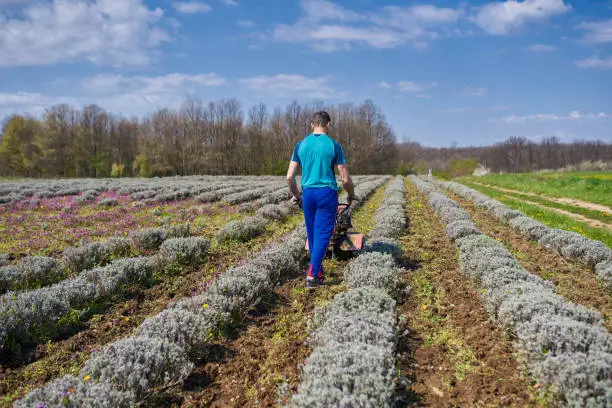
(319, 206)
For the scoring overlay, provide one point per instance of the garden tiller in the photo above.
(343, 239)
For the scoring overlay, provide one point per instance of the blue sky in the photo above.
(472, 73)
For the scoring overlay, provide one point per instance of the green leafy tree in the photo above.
(118, 170)
(141, 166)
(17, 149)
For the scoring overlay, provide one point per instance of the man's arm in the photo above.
(293, 166)
(347, 181)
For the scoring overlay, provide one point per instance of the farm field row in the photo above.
(583, 188)
(547, 213)
(137, 308)
(406, 322)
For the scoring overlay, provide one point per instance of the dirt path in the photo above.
(262, 356)
(454, 356)
(574, 282)
(569, 201)
(121, 318)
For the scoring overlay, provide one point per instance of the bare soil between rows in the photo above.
(574, 282)
(493, 377)
(258, 364)
(67, 355)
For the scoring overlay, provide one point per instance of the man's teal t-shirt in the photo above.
(317, 154)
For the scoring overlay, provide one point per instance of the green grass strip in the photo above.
(592, 214)
(550, 218)
(586, 187)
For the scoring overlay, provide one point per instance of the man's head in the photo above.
(321, 120)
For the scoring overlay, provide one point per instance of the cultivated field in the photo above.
(579, 202)
(189, 291)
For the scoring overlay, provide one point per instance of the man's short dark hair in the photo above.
(321, 119)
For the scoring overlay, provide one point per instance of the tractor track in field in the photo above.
(589, 221)
(560, 200)
(266, 349)
(574, 282)
(67, 355)
(452, 354)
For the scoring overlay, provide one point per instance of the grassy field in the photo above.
(589, 186)
(548, 217)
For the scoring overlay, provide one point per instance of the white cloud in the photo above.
(133, 95)
(192, 7)
(477, 92)
(20, 98)
(327, 27)
(108, 83)
(109, 32)
(326, 10)
(119, 93)
(423, 96)
(597, 32)
(409, 86)
(508, 16)
(30, 103)
(246, 23)
(230, 3)
(595, 62)
(541, 48)
(384, 84)
(548, 117)
(290, 85)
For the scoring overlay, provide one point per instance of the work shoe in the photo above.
(312, 283)
(320, 275)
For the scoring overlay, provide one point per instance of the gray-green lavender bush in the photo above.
(572, 246)
(72, 392)
(567, 347)
(33, 316)
(243, 230)
(274, 211)
(5, 259)
(184, 251)
(373, 269)
(152, 238)
(138, 364)
(29, 273)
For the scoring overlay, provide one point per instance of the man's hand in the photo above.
(297, 200)
(350, 200)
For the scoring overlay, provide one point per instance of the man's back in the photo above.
(317, 154)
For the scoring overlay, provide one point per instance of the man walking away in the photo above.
(317, 154)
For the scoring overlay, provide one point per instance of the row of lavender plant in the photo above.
(354, 341)
(158, 353)
(156, 187)
(565, 346)
(149, 191)
(41, 271)
(572, 246)
(37, 271)
(33, 316)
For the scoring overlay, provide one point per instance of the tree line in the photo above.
(198, 138)
(516, 154)
(220, 137)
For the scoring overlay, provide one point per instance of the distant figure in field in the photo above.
(317, 154)
(429, 174)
